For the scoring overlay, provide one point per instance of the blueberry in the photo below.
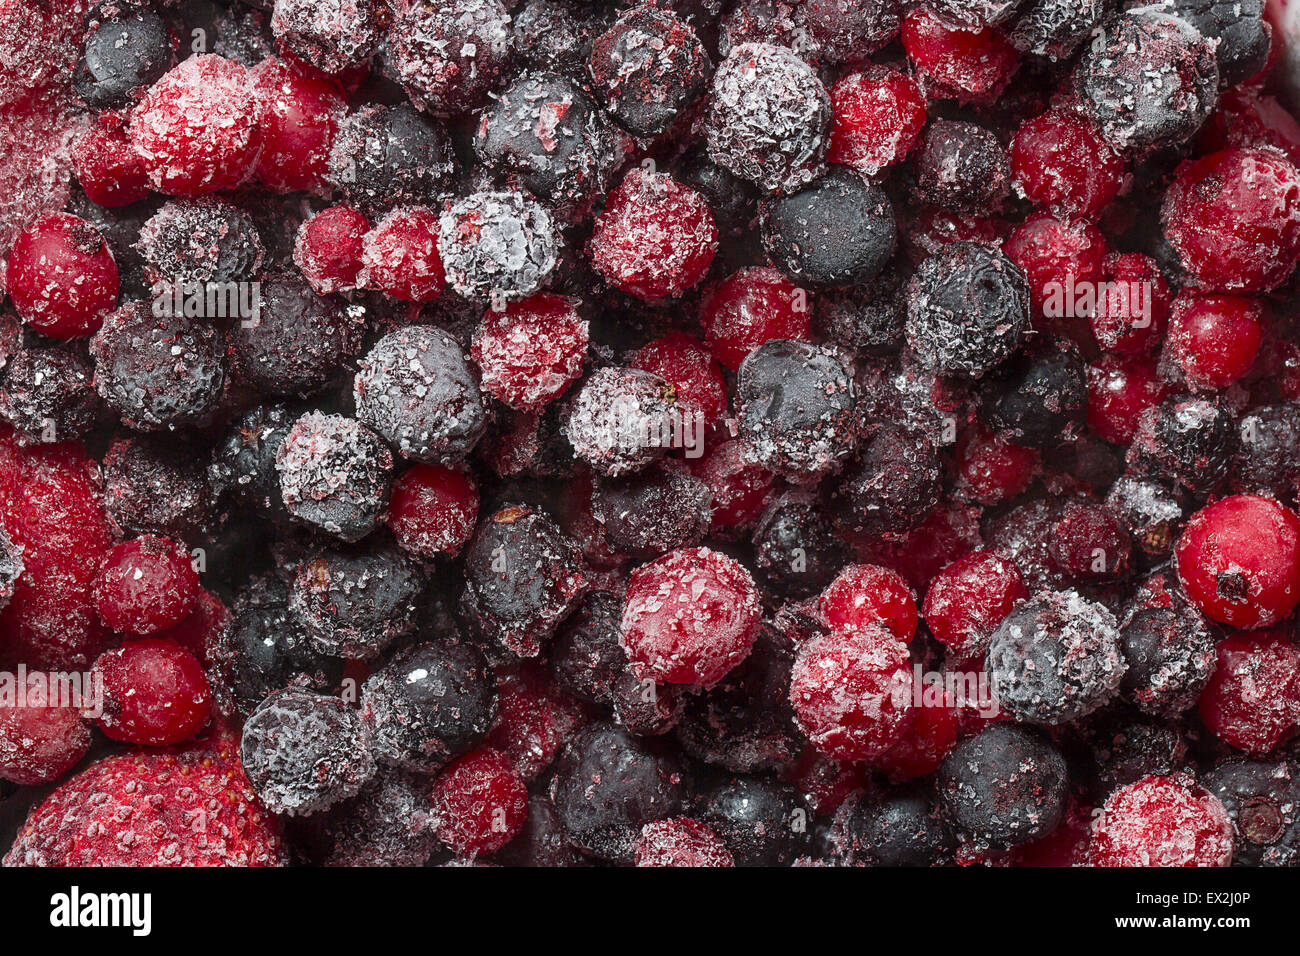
(902, 827)
(1170, 654)
(1039, 398)
(1263, 799)
(762, 823)
(390, 156)
(123, 53)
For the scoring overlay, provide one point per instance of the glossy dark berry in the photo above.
(796, 407)
(968, 308)
(1150, 79)
(1268, 453)
(157, 371)
(838, 230)
(522, 577)
(961, 166)
(304, 752)
(1003, 787)
(428, 703)
(1241, 32)
(1263, 799)
(607, 785)
(123, 54)
(647, 68)
(905, 827)
(1170, 655)
(1039, 398)
(762, 823)
(1056, 658)
(416, 390)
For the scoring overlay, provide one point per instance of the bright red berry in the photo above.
(432, 509)
(479, 803)
(864, 594)
(968, 63)
(738, 483)
(299, 111)
(155, 693)
(1060, 160)
(878, 116)
(107, 166)
(1129, 316)
(680, 841)
(684, 363)
(399, 256)
(1213, 339)
(146, 584)
(1120, 389)
(1161, 821)
(751, 307)
(991, 469)
(62, 277)
(328, 249)
(1252, 700)
(42, 732)
(968, 599)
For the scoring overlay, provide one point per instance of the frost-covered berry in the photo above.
(449, 55)
(1056, 658)
(432, 510)
(897, 828)
(1162, 821)
(200, 240)
(427, 704)
(1263, 799)
(968, 308)
(656, 237)
(304, 752)
(654, 511)
(1149, 79)
(497, 245)
(389, 823)
(1170, 654)
(48, 394)
(852, 691)
(61, 276)
(750, 307)
(386, 156)
(335, 474)
(332, 36)
(146, 584)
(480, 803)
(968, 599)
(621, 420)
(762, 822)
(1039, 397)
(796, 405)
(1252, 701)
(1055, 29)
(1239, 30)
(1059, 159)
(155, 693)
(415, 389)
(1003, 787)
(768, 118)
(328, 247)
(680, 841)
(647, 68)
(689, 616)
(40, 739)
(300, 117)
(959, 61)
(1187, 442)
(878, 116)
(399, 256)
(838, 230)
(961, 166)
(893, 483)
(198, 129)
(107, 167)
(531, 351)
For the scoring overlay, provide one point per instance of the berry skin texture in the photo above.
(332, 42)
(496, 246)
(879, 114)
(863, 594)
(618, 420)
(304, 752)
(690, 369)
(106, 166)
(157, 797)
(199, 128)
(680, 841)
(1234, 219)
(335, 475)
(689, 616)
(656, 237)
(449, 55)
(300, 115)
(1239, 561)
(61, 276)
(41, 738)
(964, 63)
(530, 352)
(852, 691)
(1120, 389)
(479, 803)
(432, 510)
(1263, 799)
(750, 307)
(1252, 700)
(1060, 160)
(328, 249)
(969, 598)
(399, 256)
(155, 693)
(1162, 821)
(147, 584)
(1213, 339)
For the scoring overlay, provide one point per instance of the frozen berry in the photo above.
(796, 549)
(749, 308)
(961, 166)
(1060, 160)
(1239, 30)
(332, 41)
(768, 118)
(448, 56)
(864, 594)
(328, 249)
(879, 115)
(1129, 315)
(892, 485)
(198, 129)
(969, 598)
(389, 823)
(42, 732)
(1162, 821)
(1056, 658)
(156, 486)
(496, 245)
(796, 405)
(530, 352)
(48, 395)
(200, 240)
(1039, 398)
(1187, 441)
(1262, 798)
(243, 463)
(621, 421)
(335, 474)
(155, 693)
(399, 256)
(838, 230)
(690, 616)
(432, 510)
(696, 378)
(680, 841)
(1268, 454)
(1170, 654)
(655, 511)
(390, 156)
(147, 584)
(107, 167)
(1120, 389)
(123, 53)
(1252, 700)
(962, 61)
(61, 276)
(1055, 29)
(479, 803)
(1213, 339)
(300, 117)
(304, 752)
(416, 389)
(897, 828)
(762, 823)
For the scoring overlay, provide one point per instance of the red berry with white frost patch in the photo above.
(328, 249)
(42, 732)
(62, 277)
(399, 256)
(878, 116)
(300, 112)
(531, 351)
(1060, 160)
(750, 307)
(1234, 219)
(1213, 339)
(146, 584)
(865, 594)
(852, 691)
(968, 599)
(689, 616)
(432, 509)
(479, 803)
(107, 167)
(656, 237)
(155, 693)
(1162, 821)
(199, 128)
(1120, 389)
(680, 841)
(738, 483)
(1252, 701)
(1239, 561)
(684, 363)
(966, 63)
